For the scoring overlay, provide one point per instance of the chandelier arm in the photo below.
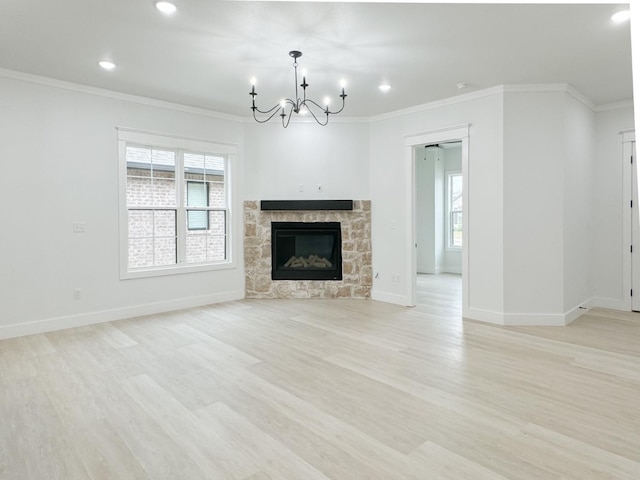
(266, 111)
(275, 111)
(325, 109)
(316, 118)
(341, 108)
(285, 125)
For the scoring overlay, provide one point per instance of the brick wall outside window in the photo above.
(201, 245)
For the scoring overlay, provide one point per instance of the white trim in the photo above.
(497, 90)
(614, 106)
(179, 107)
(91, 318)
(551, 87)
(179, 145)
(534, 319)
(159, 139)
(308, 120)
(610, 303)
(445, 134)
(447, 218)
(486, 316)
(578, 311)
(438, 104)
(628, 137)
(448, 269)
(390, 298)
(101, 92)
(529, 319)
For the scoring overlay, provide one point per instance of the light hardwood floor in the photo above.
(324, 389)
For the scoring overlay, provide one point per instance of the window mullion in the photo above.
(181, 214)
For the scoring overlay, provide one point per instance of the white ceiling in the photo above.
(206, 53)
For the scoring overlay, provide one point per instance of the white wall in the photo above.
(59, 166)
(279, 160)
(391, 184)
(579, 131)
(526, 256)
(533, 202)
(610, 250)
(532, 214)
(549, 155)
(425, 210)
(429, 209)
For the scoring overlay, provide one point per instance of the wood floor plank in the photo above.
(324, 389)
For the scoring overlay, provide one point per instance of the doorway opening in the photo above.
(438, 218)
(449, 237)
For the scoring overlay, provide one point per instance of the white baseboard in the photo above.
(390, 298)
(456, 270)
(80, 320)
(577, 311)
(486, 316)
(612, 303)
(529, 319)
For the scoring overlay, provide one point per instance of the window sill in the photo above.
(175, 270)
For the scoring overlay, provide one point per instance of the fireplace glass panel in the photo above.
(306, 251)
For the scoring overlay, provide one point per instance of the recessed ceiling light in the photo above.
(621, 16)
(107, 65)
(385, 87)
(167, 8)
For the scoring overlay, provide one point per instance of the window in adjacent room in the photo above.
(175, 213)
(454, 210)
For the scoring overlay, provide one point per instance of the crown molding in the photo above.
(101, 92)
(439, 103)
(310, 121)
(487, 92)
(614, 106)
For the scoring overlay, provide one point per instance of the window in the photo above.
(454, 210)
(197, 196)
(174, 204)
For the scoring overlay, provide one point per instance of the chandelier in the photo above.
(300, 106)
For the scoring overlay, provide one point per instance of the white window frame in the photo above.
(180, 145)
(447, 217)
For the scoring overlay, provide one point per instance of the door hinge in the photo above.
(631, 203)
(631, 248)
(632, 159)
(631, 292)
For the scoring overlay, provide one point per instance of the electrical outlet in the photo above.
(319, 188)
(77, 293)
(301, 188)
(79, 227)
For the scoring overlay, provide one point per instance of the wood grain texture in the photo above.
(324, 389)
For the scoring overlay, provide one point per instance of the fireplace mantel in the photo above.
(288, 205)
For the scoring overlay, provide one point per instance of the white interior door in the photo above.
(635, 232)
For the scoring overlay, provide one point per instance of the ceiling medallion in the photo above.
(299, 106)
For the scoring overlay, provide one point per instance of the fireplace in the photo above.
(306, 251)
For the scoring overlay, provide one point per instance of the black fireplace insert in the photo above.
(306, 251)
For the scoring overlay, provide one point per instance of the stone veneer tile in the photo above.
(356, 251)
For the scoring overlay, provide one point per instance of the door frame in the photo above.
(453, 133)
(628, 139)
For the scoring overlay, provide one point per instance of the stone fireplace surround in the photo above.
(356, 253)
